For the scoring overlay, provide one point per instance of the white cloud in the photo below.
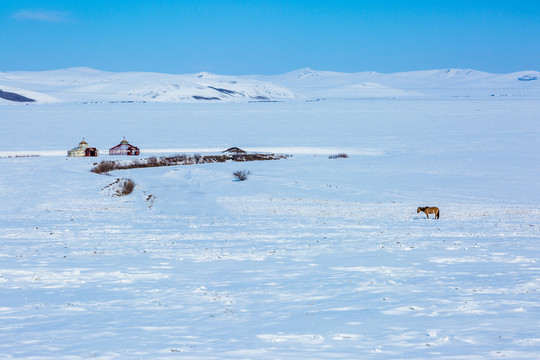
(41, 15)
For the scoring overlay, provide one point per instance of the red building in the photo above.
(124, 148)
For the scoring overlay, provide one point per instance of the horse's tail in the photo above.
(438, 212)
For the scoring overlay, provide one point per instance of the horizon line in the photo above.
(307, 68)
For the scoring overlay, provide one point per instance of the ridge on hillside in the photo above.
(10, 96)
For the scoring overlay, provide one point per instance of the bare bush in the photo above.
(119, 187)
(103, 167)
(19, 156)
(126, 187)
(152, 161)
(241, 175)
(339, 156)
(106, 166)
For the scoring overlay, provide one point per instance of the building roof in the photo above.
(82, 145)
(124, 145)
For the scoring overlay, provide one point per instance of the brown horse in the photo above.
(429, 210)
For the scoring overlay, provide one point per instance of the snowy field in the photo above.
(310, 258)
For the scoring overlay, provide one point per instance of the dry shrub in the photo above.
(103, 167)
(152, 161)
(339, 156)
(241, 175)
(106, 166)
(126, 187)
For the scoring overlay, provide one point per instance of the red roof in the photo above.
(123, 147)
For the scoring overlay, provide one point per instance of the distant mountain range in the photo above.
(90, 85)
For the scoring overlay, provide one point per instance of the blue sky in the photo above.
(269, 37)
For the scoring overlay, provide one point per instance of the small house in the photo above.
(124, 148)
(82, 150)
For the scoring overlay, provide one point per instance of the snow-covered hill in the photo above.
(90, 85)
(444, 83)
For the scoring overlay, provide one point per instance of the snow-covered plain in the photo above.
(311, 257)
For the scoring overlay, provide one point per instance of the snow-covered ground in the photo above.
(311, 257)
